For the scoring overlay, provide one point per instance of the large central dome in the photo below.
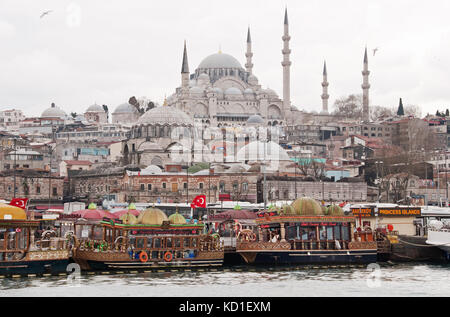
(219, 60)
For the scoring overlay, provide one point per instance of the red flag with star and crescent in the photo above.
(19, 202)
(199, 201)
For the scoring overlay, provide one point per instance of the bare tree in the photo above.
(350, 107)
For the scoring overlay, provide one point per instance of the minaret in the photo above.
(286, 63)
(325, 95)
(365, 86)
(185, 70)
(249, 54)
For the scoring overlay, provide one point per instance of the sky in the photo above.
(105, 51)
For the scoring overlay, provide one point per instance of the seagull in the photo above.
(45, 13)
(374, 51)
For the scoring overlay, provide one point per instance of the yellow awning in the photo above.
(9, 212)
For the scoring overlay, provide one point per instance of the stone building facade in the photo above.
(32, 184)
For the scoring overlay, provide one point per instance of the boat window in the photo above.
(304, 233)
(22, 239)
(323, 233)
(155, 254)
(169, 242)
(140, 243)
(177, 243)
(157, 244)
(2, 238)
(337, 232)
(345, 233)
(12, 240)
(329, 233)
(178, 254)
(98, 233)
(186, 242)
(194, 242)
(149, 242)
(291, 232)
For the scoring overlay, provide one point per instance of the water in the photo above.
(395, 280)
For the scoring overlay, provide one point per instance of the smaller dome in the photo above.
(248, 91)
(53, 112)
(233, 91)
(125, 108)
(196, 90)
(271, 92)
(152, 216)
(203, 77)
(237, 168)
(334, 210)
(151, 170)
(128, 219)
(217, 90)
(307, 207)
(165, 115)
(252, 80)
(255, 119)
(95, 108)
(177, 219)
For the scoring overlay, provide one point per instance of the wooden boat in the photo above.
(21, 252)
(152, 240)
(304, 233)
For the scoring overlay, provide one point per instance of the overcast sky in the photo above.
(104, 51)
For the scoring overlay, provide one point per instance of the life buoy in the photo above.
(168, 256)
(143, 256)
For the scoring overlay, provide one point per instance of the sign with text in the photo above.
(399, 212)
(363, 212)
(388, 212)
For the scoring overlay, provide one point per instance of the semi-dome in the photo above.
(95, 108)
(233, 91)
(203, 77)
(307, 207)
(219, 60)
(262, 151)
(165, 115)
(152, 216)
(125, 108)
(255, 119)
(53, 112)
(196, 90)
(335, 210)
(252, 80)
(248, 91)
(177, 219)
(151, 170)
(271, 92)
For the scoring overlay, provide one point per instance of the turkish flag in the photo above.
(199, 201)
(19, 202)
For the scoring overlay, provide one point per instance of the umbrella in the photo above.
(131, 209)
(93, 213)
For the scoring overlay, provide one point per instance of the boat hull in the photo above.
(288, 257)
(89, 260)
(34, 267)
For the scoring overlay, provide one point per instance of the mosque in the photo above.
(222, 93)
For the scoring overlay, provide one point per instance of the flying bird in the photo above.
(45, 13)
(374, 51)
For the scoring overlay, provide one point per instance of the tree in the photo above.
(413, 110)
(447, 113)
(400, 111)
(379, 112)
(350, 107)
(73, 114)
